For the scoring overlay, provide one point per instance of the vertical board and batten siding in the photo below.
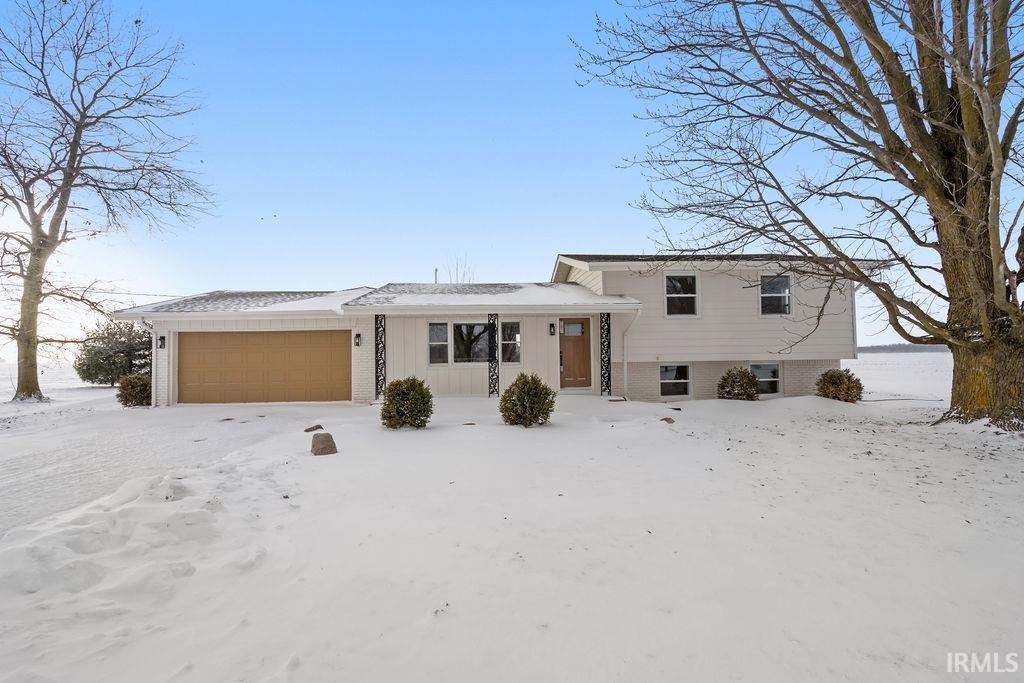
(165, 360)
(729, 324)
(407, 355)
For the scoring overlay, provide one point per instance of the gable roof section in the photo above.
(487, 298)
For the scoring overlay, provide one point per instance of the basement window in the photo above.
(767, 377)
(675, 380)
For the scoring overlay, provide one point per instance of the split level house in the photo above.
(639, 326)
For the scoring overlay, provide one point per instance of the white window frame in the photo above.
(788, 297)
(448, 344)
(502, 342)
(688, 381)
(696, 297)
(750, 366)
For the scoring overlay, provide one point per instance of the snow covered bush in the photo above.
(113, 350)
(527, 401)
(407, 403)
(134, 390)
(839, 385)
(738, 384)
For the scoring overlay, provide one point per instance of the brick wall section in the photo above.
(798, 378)
(362, 360)
(643, 381)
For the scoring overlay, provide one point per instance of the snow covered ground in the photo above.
(792, 540)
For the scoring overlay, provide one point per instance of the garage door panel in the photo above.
(250, 367)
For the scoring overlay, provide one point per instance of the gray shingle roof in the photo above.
(223, 300)
(507, 294)
(251, 303)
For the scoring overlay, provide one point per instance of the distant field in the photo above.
(905, 375)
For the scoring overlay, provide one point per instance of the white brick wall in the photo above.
(798, 378)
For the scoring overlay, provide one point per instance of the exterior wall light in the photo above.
(357, 340)
(161, 342)
(551, 329)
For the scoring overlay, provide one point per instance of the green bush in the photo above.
(738, 384)
(527, 401)
(134, 390)
(113, 350)
(839, 385)
(407, 403)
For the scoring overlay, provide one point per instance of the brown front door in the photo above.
(574, 351)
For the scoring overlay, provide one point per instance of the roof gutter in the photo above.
(435, 309)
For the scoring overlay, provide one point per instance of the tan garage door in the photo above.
(253, 367)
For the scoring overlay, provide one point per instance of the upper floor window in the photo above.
(511, 343)
(681, 294)
(775, 295)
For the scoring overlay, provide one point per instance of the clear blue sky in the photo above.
(359, 143)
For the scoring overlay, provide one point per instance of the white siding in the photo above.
(165, 363)
(407, 355)
(729, 324)
(592, 280)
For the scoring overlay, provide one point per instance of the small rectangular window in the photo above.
(681, 294)
(573, 329)
(438, 343)
(675, 380)
(767, 377)
(469, 342)
(775, 295)
(511, 343)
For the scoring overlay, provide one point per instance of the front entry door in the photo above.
(574, 352)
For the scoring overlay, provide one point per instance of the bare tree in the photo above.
(87, 108)
(901, 115)
(459, 269)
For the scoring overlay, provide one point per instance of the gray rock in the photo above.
(313, 428)
(323, 444)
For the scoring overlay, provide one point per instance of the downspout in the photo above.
(625, 355)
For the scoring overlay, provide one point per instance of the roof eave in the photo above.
(560, 261)
(134, 314)
(508, 309)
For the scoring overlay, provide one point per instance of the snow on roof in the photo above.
(681, 256)
(234, 302)
(653, 258)
(505, 295)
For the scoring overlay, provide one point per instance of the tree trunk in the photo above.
(28, 331)
(988, 382)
